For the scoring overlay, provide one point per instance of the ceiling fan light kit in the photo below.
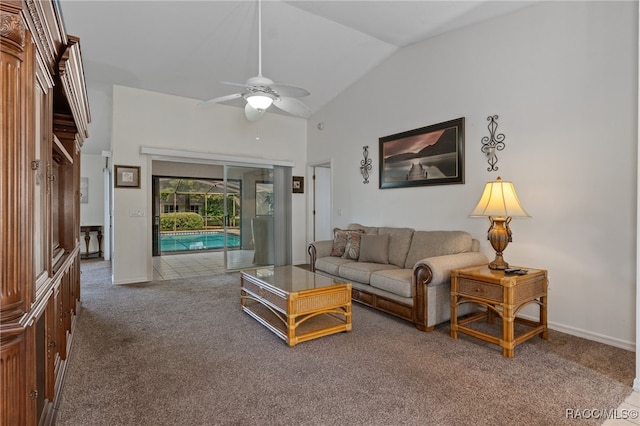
(261, 92)
(259, 101)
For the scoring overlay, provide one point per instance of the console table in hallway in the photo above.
(87, 231)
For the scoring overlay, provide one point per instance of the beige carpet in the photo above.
(181, 352)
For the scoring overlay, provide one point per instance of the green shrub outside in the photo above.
(184, 221)
(215, 221)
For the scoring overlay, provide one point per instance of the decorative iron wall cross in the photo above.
(492, 143)
(365, 164)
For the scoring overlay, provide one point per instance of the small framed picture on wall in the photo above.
(127, 176)
(298, 184)
(84, 190)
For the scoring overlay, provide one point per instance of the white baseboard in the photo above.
(131, 281)
(578, 332)
(607, 340)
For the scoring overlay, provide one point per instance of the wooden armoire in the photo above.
(44, 115)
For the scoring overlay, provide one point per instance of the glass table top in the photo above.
(290, 278)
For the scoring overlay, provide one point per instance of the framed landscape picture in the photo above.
(432, 155)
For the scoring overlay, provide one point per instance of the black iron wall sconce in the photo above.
(365, 164)
(492, 143)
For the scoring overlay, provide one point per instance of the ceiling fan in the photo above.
(261, 92)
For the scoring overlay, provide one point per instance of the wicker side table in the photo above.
(503, 295)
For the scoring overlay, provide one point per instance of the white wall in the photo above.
(142, 118)
(636, 381)
(92, 213)
(562, 76)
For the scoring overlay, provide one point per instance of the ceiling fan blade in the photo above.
(252, 114)
(290, 91)
(228, 83)
(293, 106)
(221, 99)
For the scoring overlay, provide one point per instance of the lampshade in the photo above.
(260, 101)
(499, 199)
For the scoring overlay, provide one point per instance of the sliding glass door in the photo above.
(248, 217)
(237, 215)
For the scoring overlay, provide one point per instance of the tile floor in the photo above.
(172, 266)
(628, 412)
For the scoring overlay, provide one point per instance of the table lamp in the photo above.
(500, 203)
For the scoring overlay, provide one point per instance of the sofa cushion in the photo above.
(366, 229)
(361, 271)
(331, 264)
(437, 243)
(340, 238)
(399, 243)
(352, 249)
(396, 281)
(374, 248)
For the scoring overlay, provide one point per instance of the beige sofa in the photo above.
(400, 271)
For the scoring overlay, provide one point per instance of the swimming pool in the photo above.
(197, 241)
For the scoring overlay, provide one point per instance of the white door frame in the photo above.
(311, 200)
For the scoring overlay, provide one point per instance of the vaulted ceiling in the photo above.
(186, 48)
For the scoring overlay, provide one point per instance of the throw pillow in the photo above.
(340, 238)
(339, 242)
(374, 248)
(352, 249)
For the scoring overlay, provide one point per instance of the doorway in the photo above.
(253, 215)
(225, 223)
(321, 202)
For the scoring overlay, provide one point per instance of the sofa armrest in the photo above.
(437, 270)
(318, 249)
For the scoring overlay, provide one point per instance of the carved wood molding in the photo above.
(11, 26)
(47, 30)
(71, 74)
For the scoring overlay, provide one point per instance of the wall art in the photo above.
(127, 176)
(431, 155)
(298, 184)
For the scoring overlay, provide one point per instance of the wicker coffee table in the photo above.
(295, 304)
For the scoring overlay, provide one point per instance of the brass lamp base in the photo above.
(499, 236)
(498, 263)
